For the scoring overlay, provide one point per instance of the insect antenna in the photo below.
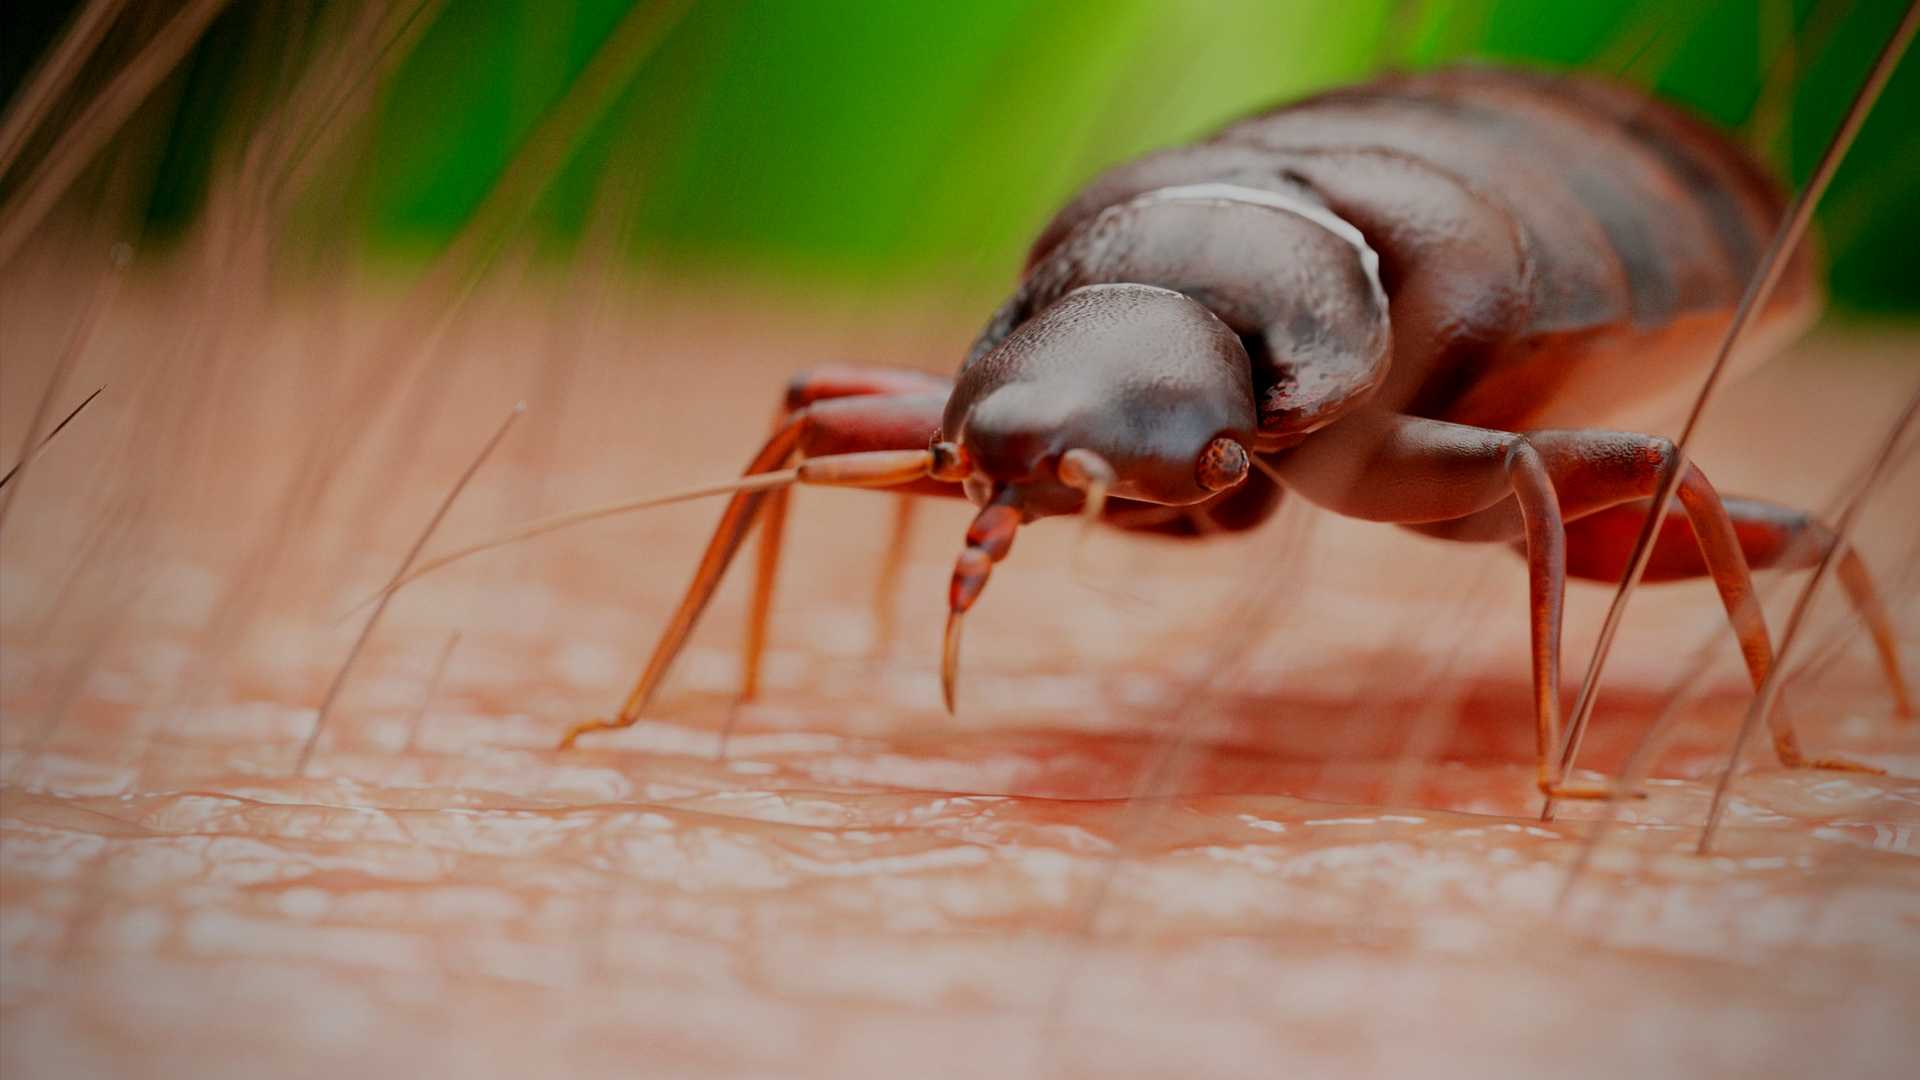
(557, 522)
(1773, 264)
(874, 468)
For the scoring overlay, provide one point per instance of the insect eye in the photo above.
(1223, 464)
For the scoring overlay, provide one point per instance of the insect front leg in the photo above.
(831, 427)
(806, 390)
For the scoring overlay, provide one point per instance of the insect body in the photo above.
(1405, 302)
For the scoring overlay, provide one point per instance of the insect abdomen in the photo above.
(1581, 243)
(1641, 227)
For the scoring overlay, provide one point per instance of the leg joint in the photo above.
(1663, 455)
(1522, 457)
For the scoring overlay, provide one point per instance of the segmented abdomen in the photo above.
(1632, 211)
(1581, 242)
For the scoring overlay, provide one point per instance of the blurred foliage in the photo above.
(879, 141)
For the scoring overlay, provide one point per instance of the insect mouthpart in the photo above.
(1081, 475)
(989, 539)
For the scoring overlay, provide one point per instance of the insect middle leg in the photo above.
(1388, 467)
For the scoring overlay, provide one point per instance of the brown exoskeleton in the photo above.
(1398, 301)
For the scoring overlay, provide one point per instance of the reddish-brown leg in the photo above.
(1770, 535)
(1599, 471)
(886, 585)
(861, 428)
(766, 573)
(735, 521)
(822, 427)
(1393, 468)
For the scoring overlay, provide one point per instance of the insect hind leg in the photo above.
(1771, 536)
(1595, 472)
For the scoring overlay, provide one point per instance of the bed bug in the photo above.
(1406, 301)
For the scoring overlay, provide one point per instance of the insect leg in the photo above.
(855, 380)
(766, 573)
(836, 428)
(1771, 536)
(1546, 549)
(886, 585)
(1724, 561)
(735, 521)
(808, 388)
(1432, 474)
(1597, 470)
(883, 422)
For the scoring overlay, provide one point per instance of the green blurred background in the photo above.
(871, 144)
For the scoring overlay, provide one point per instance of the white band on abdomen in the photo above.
(1276, 200)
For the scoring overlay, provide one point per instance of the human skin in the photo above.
(1256, 804)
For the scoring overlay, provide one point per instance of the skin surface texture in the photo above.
(1261, 803)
